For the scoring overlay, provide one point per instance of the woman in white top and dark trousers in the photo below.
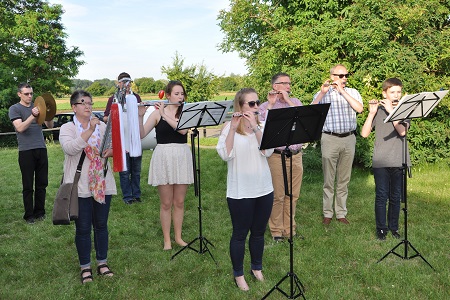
(249, 184)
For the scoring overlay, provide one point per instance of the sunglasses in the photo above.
(342, 75)
(253, 103)
(86, 104)
(28, 94)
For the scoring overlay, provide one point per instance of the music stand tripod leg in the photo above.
(405, 242)
(203, 242)
(295, 283)
(419, 255)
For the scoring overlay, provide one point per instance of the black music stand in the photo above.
(411, 106)
(285, 127)
(194, 115)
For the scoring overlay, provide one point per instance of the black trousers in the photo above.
(249, 214)
(34, 167)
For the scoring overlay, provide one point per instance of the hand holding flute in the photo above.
(155, 103)
(93, 121)
(387, 104)
(280, 95)
(327, 84)
(239, 114)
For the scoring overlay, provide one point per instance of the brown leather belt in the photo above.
(294, 152)
(341, 135)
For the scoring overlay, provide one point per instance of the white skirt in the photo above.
(171, 164)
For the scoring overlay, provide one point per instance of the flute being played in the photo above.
(276, 93)
(238, 114)
(153, 103)
(394, 103)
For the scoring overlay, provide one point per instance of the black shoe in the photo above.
(129, 202)
(381, 234)
(278, 238)
(395, 234)
(40, 218)
(87, 278)
(108, 272)
(137, 199)
(30, 220)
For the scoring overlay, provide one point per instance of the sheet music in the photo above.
(293, 125)
(416, 105)
(205, 113)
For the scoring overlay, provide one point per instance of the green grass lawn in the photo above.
(337, 262)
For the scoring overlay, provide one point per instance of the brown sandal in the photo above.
(85, 278)
(106, 272)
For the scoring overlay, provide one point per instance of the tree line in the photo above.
(374, 39)
(148, 85)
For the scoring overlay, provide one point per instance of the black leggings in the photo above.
(248, 214)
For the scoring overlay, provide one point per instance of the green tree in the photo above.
(160, 84)
(33, 45)
(375, 39)
(33, 49)
(197, 80)
(107, 83)
(145, 84)
(80, 84)
(101, 87)
(110, 91)
(97, 89)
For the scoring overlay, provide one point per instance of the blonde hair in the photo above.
(239, 101)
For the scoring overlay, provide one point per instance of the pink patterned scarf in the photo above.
(97, 184)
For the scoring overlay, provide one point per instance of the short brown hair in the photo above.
(23, 85)
(390, 82)
(76, 95)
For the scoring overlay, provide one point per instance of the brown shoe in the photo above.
(326, 221)
(343, 220)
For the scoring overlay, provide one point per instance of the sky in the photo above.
(141, 36)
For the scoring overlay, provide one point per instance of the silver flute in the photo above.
(238, 114)
(275, 93)
(153, 103)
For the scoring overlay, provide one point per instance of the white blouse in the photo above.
(248, 171)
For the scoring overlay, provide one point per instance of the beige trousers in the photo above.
(279, 221)
(337, 161)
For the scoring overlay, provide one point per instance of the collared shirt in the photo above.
(341, 117)
(278, 104)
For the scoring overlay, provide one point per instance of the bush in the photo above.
(312, 157)
(429, 138)
(7, 141)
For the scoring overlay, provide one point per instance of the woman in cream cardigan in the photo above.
(95, 189)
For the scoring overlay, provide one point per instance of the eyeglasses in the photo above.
(86, 104)
(342, 75)
(253, 103)
(27, 94)
(283, 83)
